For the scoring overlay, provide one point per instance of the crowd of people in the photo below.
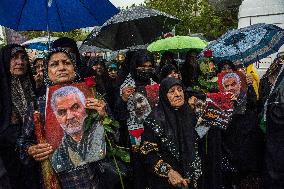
(160, 134)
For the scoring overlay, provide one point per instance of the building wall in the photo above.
(262, 11)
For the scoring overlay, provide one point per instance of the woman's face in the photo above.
(39, 66)
(145, 71)
(174, 74)
(60, 68)
(112, 72)
(226, 68)
(145, 66)
(99, 69)
(18, 64)
(176, 96)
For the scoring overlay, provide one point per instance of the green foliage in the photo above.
(77, 34)
(207, 80)
(90, 119)
(110, 125)
(197, 16)
(119, 152)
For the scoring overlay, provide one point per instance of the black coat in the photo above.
(230, 156)
(275, 137)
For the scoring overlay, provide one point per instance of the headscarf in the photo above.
(273, 69)
(47, 58)
(16, 92)
(168, 58)
(166, 70)
(132, 79)
(65, 42)
(178, 125)
(190, 69)
(138, 59)
(222, 63)
(276, 92)
(103, 81)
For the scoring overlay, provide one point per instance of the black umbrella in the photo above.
(131, 27)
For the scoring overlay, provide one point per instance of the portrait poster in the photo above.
(64, 127)
(235, 83)
(219, 109)
(217, 112)
(242, 80)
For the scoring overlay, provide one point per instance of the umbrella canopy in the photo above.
(40, 40)
(177, 44)
(54, 15)
(39, 43)
(86, 48)
(131, 27)
(247, 45)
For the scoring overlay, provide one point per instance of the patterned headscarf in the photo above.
(17, 92)
(47, 58)
(274, 68)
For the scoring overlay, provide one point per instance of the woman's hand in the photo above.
(98, 105)
(126, 92)
(249, 79)
(38, 79)
(176, 179)
(40, 152)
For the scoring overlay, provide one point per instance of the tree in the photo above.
(77, 34)
(197, 16)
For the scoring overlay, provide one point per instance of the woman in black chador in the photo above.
(169, 148)
(274, 113)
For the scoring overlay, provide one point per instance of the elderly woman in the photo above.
(17, 93)
(60, 69)
(169, 147)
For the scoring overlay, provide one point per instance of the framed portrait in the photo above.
(73, 145)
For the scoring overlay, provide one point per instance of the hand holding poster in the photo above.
(65, 115)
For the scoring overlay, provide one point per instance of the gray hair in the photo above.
(65, 91)
(230, 75)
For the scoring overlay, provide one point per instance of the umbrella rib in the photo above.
(83, 4)
(20, 18)
(62, 26)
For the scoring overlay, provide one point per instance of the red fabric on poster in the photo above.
(152, 94)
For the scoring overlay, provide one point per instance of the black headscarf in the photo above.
(275, 133)
(47, 58)
(16, 93)
(168, 58)
(138, 59)
(222, 63)
(190, 69)
(103, 82)
(178, 124)
(166, 70)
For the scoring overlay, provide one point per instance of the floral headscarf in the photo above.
(47, 58)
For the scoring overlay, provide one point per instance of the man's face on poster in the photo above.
(233, 85)
(70, 113)
(140, 104)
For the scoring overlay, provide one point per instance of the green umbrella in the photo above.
(177, 44)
